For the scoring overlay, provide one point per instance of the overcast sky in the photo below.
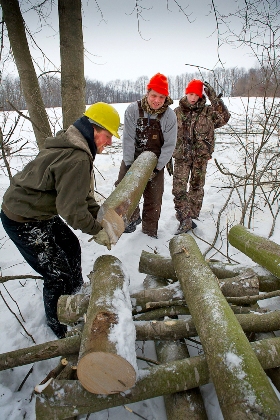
(168, 39)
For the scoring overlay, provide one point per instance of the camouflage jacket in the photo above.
(196, 125)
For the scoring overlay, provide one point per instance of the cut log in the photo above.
(261, 250)
(176, 329)
(234, 368)
(244, 284)
(63, 347)
(185, 404)
(145, 330)
(157, 265)
(115, 212)
(72, 308)
(107, 359)
(161, 313)
(62, 399)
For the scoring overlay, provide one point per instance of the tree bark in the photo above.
(185, 404)
(72, 60)
(259, 249)
(62, 399)
(228, 353)
(107, 358)
(28, 78)
(117, 209)
(159, 266)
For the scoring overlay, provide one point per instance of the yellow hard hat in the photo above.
(104, 115)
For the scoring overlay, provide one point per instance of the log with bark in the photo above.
(62, 399)
(185, 404)
(71, 308)
(261, 250)
(44, 351)
(175, 329)
(157, 265)
(115, 212)
(107, 359)
(170, 329)
(228, 352)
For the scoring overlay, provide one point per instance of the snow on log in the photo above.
(63, 399)
(107, 359)
(243, 389)
(115, 212)
(259, 249)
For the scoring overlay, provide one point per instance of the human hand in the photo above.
(210, 92)
(102, 238)
(169, 167)
(154, 173)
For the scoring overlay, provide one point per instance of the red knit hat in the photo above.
(159, 83)
(195, 86)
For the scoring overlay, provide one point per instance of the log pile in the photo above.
(218, 307)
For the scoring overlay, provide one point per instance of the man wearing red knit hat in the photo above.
(195, 145)
(149, 124)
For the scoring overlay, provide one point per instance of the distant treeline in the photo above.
(230, 82)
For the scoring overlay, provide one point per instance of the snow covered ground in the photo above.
(24, 298)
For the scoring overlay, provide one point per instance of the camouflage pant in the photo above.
(188, 186)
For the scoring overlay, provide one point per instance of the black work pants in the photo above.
(52, 250)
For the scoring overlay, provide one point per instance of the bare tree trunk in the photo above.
(26, 71)
(261, 250)
(62, 399)
(117, 209)
(72, 60)
(227, 350)
(107, 354)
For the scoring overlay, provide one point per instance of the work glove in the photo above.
(210, 92)
(154, 173)
(169, 167)
(102, 238)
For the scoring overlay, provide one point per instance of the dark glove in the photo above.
(210, 92)
(155, 172)
(169, 167)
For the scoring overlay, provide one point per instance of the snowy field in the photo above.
(22, 300)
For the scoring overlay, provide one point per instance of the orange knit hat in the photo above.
(195, 86)
(159, 83)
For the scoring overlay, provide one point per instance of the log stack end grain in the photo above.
(105, 373)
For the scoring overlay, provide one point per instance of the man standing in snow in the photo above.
(58, 183)
(149, 125)
(195, 145)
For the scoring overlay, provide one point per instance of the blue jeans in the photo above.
(52, 250)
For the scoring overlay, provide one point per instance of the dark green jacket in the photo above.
(57, 181)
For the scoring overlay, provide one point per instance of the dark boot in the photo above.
(132, 226)
(51, 297)
(186, 225)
